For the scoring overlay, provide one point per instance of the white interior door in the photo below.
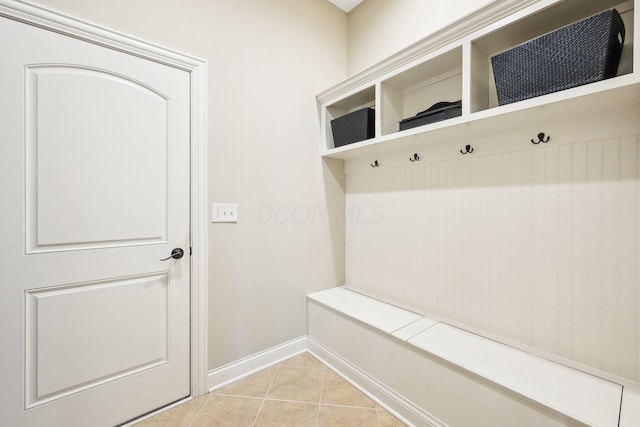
(94, 168)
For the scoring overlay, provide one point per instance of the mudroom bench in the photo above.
(432, 373)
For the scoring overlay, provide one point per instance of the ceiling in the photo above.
(346, 5)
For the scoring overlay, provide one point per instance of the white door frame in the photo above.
(197, 69)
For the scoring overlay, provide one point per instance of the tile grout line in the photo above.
(264, 399)
(200, 410)
(241, 396)
(334, 405)
(324, 375)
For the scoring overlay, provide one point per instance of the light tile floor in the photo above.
(300, 391)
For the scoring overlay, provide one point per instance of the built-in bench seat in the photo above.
(437, 363)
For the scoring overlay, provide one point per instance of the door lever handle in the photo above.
(177, 253)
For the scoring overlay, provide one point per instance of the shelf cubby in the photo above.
(483, 89)
(361, 99)
(406, 93)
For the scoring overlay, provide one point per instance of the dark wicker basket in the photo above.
(580, 53)
(353, 127)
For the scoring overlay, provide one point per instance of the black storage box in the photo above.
(435, 113)
(580, 53)
(353, 127)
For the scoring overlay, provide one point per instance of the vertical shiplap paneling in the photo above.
(537, 245)
(442, 262)
(392, 235)
(365, 219)
(492, 261)
(391, 279)
(628, 258)
(503, 265)
(593, 247)
(463, 242)
(540, 306)
(426, 288)
(549, 258)
(437, 268)
(564, 246)
(464, 245)
(578, 252)
(414, 233)
(355, 238)
(513, 239)
(526, 245)
(479, 250)
(488, 230)
(609, 278)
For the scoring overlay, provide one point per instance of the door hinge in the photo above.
(190, 251)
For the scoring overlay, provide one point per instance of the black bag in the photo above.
(438, 111)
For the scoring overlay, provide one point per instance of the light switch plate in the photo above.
(224, 212)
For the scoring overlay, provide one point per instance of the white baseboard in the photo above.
(400, 407)
(226, 374)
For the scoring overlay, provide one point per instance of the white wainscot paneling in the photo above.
(538, 245)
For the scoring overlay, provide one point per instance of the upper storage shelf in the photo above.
(412, 90)
(455, 65)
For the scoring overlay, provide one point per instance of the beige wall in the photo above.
(267, 59)
(380, 28)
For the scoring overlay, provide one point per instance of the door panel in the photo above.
(80, 138)
(94, 164)
(93, 317)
